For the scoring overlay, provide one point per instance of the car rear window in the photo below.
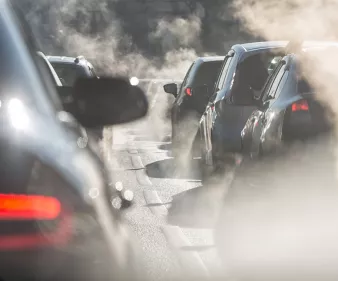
(69, 72)
(207, 73)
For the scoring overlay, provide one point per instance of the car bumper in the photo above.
(87, 256)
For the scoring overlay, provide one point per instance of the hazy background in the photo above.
(280, 220)
(136, 36)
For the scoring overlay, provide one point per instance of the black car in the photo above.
(69, 69)
(244, 72)
(191, 99)
(56, 217)
(287, 111)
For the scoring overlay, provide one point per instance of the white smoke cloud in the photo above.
(278, 218)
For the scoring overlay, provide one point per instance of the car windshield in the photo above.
(69, 73)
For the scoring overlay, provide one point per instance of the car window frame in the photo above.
(223, 73)
(267, 88)
(181, 94)
(281, 83)
(277, 81)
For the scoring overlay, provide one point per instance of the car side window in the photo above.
(181, 94)
(281, 83)
(185, 81)
(223, 73)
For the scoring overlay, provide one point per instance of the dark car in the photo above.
(191, 99)
(57, 221)
(243, 74)
(65, 98)
(287, 111)
(69, 69)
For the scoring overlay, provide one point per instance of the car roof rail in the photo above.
(78, 58)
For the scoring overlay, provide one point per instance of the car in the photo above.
(69, 69)
(237, 91)
(57, 220)
(287, 111)
(64, 95)
(243, 74)
(190, 101)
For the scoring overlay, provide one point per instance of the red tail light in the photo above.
(19, 208)
(188, 91)
(28, 207)
(300, 106)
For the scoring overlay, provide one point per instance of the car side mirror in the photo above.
(171, 89)
(105, 101)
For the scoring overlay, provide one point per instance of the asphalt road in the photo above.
(173, 213)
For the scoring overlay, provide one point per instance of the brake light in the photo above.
(28, 207)
(188, 91)
(300, 106)
(19, 208)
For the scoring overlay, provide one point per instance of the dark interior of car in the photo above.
(250, 76)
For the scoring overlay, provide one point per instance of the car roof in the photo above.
(67, 60)
(210, 59)
(254, 46)
(248, 47)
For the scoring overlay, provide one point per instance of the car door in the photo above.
(250, 130)
(218, 93)
(204, 123)
(238, 106)
(264, 126)
(175, 110)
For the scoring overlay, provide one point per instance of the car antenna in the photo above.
(77, 60)
(294, 47)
